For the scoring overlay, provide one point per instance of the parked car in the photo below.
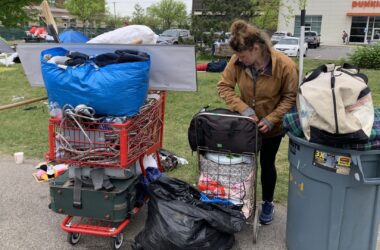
(278, 35)
(290, 46)
(313, 39)
(173, 36)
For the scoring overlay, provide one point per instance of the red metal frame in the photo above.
(107, 231)
(138, 136)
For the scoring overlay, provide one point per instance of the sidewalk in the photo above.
(26, 222)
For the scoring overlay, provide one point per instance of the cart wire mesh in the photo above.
(83, 140)
(228, 178)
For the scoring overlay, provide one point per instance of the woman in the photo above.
(267, 81)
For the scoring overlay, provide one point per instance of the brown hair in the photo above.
(244, 36)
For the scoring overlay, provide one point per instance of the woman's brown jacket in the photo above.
(275, 89)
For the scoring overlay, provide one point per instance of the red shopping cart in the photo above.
(87, 142)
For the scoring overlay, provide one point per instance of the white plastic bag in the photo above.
(127, 35)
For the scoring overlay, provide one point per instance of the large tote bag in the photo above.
(335, 105)
(115, 89)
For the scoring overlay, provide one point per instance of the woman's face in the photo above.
(249, 57)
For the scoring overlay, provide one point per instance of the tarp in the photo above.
(172, 67)
(5, 48)
(72, 36)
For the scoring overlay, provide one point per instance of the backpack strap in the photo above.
(77, 193)
(360, 75)
(350, 67)
(316, 72)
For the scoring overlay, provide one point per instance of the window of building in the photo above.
(358, 28)
(51, 3)
(312, 22)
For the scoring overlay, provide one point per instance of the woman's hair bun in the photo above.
(239, 27)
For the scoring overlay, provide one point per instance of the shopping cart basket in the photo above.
(80, 140)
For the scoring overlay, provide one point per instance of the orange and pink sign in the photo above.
(365, 4)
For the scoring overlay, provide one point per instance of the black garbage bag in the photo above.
(178, 220)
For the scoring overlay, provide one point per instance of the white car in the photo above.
(290, 46)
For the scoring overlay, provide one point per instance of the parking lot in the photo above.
(327, 52)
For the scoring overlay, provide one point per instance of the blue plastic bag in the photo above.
(116, 89)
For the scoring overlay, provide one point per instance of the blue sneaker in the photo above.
(267, 211)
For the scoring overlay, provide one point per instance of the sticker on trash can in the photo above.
(339, 164)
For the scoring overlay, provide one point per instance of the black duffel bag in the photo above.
(222, 129)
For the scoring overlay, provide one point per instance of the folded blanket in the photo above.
(291, 124)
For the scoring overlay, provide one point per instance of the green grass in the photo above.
(21, 130)
(27, 130)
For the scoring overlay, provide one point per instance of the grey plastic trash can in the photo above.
(333, 199)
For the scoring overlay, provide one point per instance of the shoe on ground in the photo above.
(267, 212)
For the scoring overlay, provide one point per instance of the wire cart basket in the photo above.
(80, 140)
(85, 141)
(230, 179)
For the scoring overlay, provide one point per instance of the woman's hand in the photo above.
(263, 127)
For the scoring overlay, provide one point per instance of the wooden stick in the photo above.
(17, 104)
(49, 19)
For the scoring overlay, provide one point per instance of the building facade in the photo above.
(359, 18)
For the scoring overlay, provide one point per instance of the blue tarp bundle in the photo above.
(72, 36)
(116, 89)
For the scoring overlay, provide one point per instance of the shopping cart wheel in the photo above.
(117, 241)
(73, 238)
(255, 225)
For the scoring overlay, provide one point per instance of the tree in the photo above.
(16, 12)
(110, 20)
(138, 16)
(169, 12)
(86, 10)
(266, 16)
(218, 16)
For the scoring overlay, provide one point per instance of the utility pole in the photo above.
(114, 13)
(302, 42)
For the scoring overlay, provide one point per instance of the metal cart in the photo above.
(113, 146)
(229, 178)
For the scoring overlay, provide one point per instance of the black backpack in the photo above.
(228, 131)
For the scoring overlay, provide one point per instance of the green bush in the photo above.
(367, 57)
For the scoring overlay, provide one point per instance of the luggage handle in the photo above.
(369, 181)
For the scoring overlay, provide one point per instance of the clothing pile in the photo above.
(221, 178)
(77, 58)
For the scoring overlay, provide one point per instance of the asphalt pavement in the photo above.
(330, 52)
(26, 222)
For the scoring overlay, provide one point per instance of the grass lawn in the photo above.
(26, 130)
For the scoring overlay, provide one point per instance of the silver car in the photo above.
(278, 35)
(172, 36)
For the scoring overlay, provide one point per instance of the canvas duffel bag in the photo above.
(335, 105)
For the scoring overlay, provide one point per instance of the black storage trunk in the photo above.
(113, 205)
